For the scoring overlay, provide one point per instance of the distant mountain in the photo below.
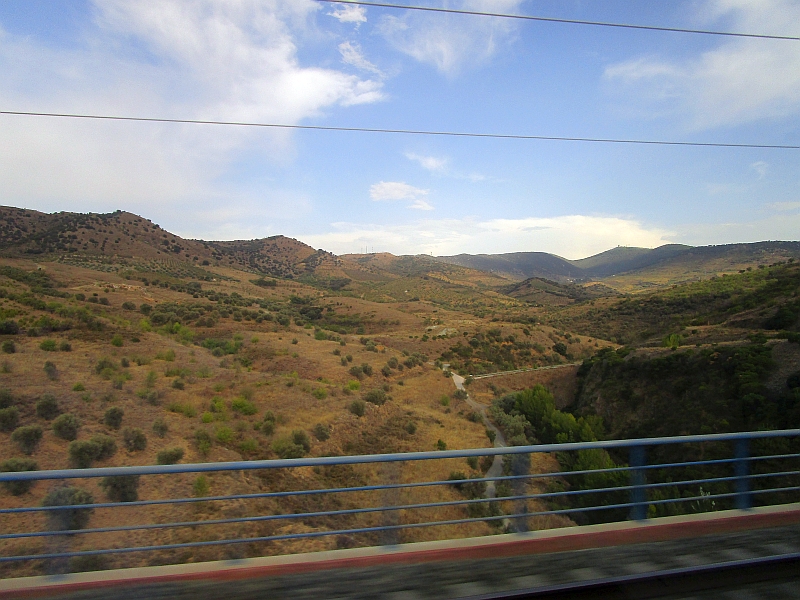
(518, 265)
(669, 264)
(623, 259)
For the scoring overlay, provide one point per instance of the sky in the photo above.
(305, 62)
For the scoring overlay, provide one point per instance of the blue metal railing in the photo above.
(30, 531)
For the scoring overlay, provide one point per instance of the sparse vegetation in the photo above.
(66, 426)
(17, 465)
(71, 518)
(170, 456)
(27, 438)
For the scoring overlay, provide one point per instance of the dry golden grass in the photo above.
(284, 378)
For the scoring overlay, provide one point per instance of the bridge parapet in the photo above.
(715, 472)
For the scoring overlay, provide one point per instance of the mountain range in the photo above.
(121, 234)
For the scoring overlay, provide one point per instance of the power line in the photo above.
(568, 21)
(465, 134)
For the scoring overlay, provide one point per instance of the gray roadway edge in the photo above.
(351, 557)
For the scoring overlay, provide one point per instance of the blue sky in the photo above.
(312, 63)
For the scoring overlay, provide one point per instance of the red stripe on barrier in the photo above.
(551, 541)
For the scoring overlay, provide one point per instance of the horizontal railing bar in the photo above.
(317, 514)
(400, 486)
(382, 458)
(313, 534)
(290, 536)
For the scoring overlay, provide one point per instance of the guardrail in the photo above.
(683, 474)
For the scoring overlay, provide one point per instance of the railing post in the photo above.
(744, 498)
(520, 465)
(638, 459)
(390, 475)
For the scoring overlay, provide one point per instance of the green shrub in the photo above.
(50, 370)
(441, 445)
(150, 396)
(284, 447)
(66, 426)
(200, 487)
(248, 446)
(224, 435)
(353, 385)
(6, 399)
(168, 356)
(82, 453)
(113, 417)
(386, 371)
(243, 406)
(145, 309)
(78, 387)
(160, 427)
(9, 347)
(48, 345)
(377, 396)
(65, 347)
(17, 465)
(268, 424)
(410, 427)
(170, 456)
(444, 400)
(321, 432)
(121, 488)
(178, 384)
(301, 438)
(117, 341)
(9, 327)
(207, 417)
(472, 461)
(134, 439)
(356, 372)
(358, 407)
(70, 518)
(128, 306)
(187, 410)
(320, 393)
(203, 440)
(27, 437)
(366, 369)
(9, 417)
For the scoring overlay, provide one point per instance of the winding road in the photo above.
(499, 441)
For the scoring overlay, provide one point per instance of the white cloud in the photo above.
(352, 55)
(430, 163)
(739, 81)
(451, 42)
(761, 168)
(783, 227)
(233, 60)
(783, 206)
(350, 14)
(570, 236)
(395, 190)
(420, 204)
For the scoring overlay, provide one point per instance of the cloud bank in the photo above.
(570, 236)
(233, 60)
(740, 81)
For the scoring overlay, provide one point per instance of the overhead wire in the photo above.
(427, 132)
(458, 11)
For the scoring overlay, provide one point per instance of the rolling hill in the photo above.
(633, 269)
